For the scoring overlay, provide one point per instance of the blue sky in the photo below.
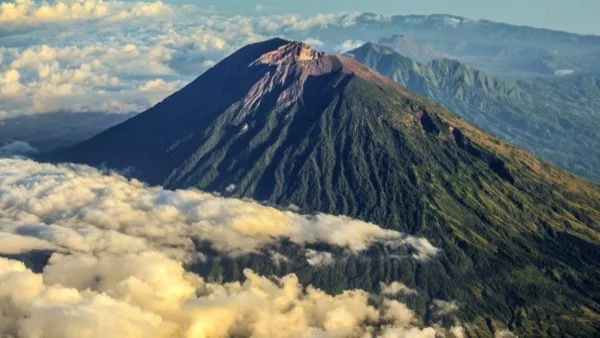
(579, 16)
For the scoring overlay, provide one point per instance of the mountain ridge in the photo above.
(560, 128)
(504, 50)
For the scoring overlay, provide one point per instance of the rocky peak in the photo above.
(290, 53)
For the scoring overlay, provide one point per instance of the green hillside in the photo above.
(556, 119)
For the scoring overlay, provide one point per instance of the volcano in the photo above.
(282, 123)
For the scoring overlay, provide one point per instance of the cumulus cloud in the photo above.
(119, 249)
(396, 288)
(423, 249)
(11, 244)
(10, 83)
(348, 45)
(316, 43)
(441, 307)
(67, 205)
(30, 12)
(160, 85)
(319, 258)
(159, 89)
(150, 295)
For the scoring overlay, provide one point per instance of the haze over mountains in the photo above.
(412, 49)
(282, 123)
(49, 131)
(557, 119)
(500, 49)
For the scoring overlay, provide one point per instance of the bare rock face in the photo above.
(293, 63)
(291, 52)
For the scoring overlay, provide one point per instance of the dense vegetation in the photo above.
(556, 119)
(519, 238)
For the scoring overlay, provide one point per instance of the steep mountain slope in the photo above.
(282, 123)
(556, 119)
(54, 130)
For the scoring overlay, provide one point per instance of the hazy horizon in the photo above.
(577, 16)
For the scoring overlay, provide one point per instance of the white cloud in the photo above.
(319, 258)
(230, 188)
(315, 43)
(396, 288)
(73, 204)
(441, 307)
(28, 12)
(158, 89)
(11, 244)
(423, 248)
(208, 64)
(453, 22)
(278, 258)
(10, 83)
(348, 45)
(117, 267)
(149, 295)
(160, 86)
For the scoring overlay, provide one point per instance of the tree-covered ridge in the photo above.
(519, 238)
(556, 119)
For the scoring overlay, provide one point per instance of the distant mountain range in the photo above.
(412, 49)
(49, 131)
(557, 119)
(504, 50)
(282, 123)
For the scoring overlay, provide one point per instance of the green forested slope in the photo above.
(556, 119)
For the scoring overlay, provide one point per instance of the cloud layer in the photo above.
(117, 267)
(28, 12)
(78, 208)
(150, 295)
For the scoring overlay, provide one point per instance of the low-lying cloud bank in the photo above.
(150, 295)
(80, 209)
(117, 267)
